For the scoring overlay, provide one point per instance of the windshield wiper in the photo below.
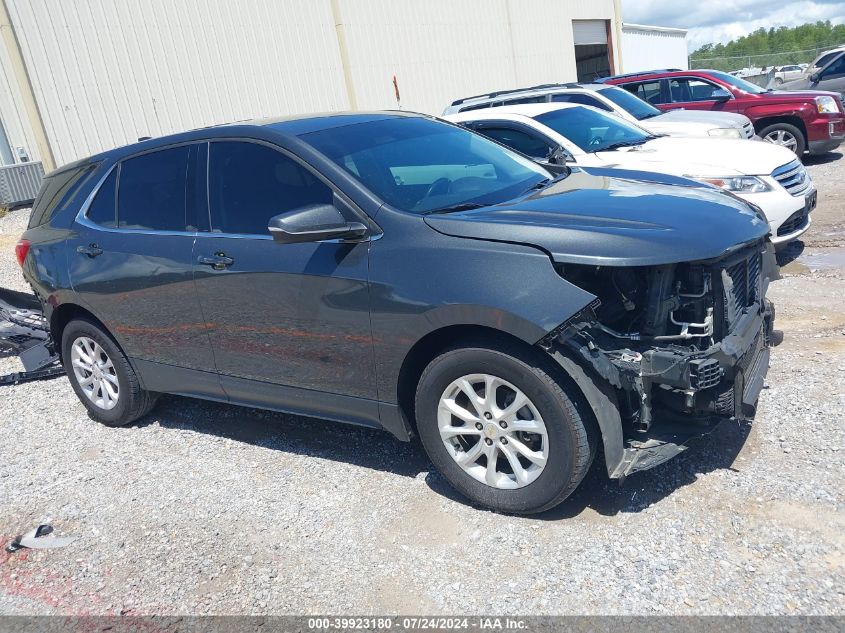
(538, 185)
(619, 144)
(463, 206)
(548, 181)
(650, 115)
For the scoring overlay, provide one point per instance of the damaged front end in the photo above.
(684, 346)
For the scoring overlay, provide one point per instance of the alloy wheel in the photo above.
(493, 431)
(782, 137)
(95, 373)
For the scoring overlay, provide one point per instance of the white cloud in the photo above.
(724, 20)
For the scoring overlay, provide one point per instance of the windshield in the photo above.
(422, 166)
(634, 106)
(593, 131)
(736, 82)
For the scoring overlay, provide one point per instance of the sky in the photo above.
(724, 20)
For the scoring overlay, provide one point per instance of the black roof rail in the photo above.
(498, 93)
(639, 74)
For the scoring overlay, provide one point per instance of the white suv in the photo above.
(621, 103)
(767, 176)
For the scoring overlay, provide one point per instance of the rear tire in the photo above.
(785, 135)
(101, 375)
(458, 444)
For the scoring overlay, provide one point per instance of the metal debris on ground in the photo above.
(34, 539)
(25, 333)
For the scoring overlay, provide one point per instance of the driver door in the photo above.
(833, 76)
(279, 315)
(694, 93)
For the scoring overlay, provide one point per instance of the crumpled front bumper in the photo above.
(743, 359)
(676, 394)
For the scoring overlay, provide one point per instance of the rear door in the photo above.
(280, 315)
(130, 261)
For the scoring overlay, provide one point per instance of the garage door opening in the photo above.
(593, 57)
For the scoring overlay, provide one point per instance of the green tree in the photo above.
(776, 46)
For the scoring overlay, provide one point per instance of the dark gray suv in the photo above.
(398, 272)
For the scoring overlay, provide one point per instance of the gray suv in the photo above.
(826, 73)
(401, 273)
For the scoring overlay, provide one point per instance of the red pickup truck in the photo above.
(812, 120)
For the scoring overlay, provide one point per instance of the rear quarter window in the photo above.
(58, 191)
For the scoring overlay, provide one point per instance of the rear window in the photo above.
(57, 192)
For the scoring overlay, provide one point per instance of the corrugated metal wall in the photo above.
(649, 49)
(105, 72)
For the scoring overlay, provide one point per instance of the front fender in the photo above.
(436, 281)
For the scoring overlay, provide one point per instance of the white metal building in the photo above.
(650, 47)
(80, 76)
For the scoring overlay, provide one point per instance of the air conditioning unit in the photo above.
(19, 184)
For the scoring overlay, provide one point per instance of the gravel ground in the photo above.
(205, 508)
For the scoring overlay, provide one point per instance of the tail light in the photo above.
(21, 251)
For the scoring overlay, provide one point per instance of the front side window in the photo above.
(685, 90)
(528, 144)
(420, 165)
(250, 183)
(825, 59)
(593, 131)
(836, 69)
(153, 189)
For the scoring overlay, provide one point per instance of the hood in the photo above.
(796, 91)
(701, 157)
(596, 217)
(711, 119)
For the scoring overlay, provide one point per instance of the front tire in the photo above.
(502, 430)
(786, 135)
(101, 375)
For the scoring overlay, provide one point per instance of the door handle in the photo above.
(219, 262)
(92, 250)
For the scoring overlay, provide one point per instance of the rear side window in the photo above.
(250, 183)
(102, 210)
(523, 100)
(153, 190)
(647, 91)
(57, 192)
(528, 144)
(582, 99)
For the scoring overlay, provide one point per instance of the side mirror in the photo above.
(314, 223)
(815, 78)
(721, 95)
(560, 156)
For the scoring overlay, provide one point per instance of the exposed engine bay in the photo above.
(685, 345)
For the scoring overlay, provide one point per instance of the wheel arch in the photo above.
(598, 394)
(64, 314)
(790, 119)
